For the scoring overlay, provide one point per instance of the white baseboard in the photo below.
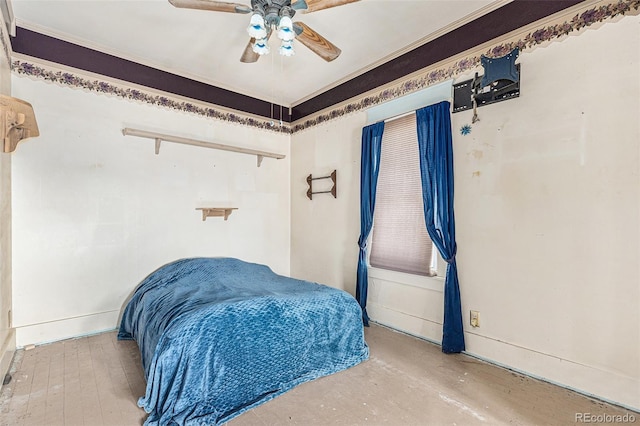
(604, 385)
(53, 331)
(406, 323)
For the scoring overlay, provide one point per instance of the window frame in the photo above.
(437, 265)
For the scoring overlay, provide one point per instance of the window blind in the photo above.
(400, 240)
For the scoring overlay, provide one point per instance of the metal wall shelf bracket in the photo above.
(332, 191)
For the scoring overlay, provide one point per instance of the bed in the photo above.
(219, 336)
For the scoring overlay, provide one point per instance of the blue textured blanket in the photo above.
(219, 336)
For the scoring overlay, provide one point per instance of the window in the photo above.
(400, 241)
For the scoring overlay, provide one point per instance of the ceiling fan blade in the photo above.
(216, 6)
(249, 56)
(315, 5)
(314, 41)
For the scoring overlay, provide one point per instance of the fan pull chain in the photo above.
(272, 123)
(281, 73)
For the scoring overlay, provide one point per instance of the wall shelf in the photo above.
(17, 122)
(216, 212)
(159, 137)
(332, 191)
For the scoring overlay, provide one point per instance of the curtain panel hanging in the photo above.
(369, 168)
(436, 170)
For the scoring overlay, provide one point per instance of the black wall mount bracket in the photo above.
(498, 91)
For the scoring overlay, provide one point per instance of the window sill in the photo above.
(429, 283)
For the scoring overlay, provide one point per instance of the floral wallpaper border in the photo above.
(581, 20)
(79, 82)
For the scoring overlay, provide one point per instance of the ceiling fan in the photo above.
(275, 15)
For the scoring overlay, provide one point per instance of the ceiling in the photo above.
(206, 46)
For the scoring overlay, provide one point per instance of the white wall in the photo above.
(7, 334)
(325, 231)
(95, 212)
(547, 216)
(549, 195)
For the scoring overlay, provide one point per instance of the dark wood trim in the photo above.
(488, 27)
(51, 49)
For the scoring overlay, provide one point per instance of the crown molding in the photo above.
(452, 26)
(59, 35)
(54, 73)
(572, 21)
(569, 21)
(490, 26)
(43, 47)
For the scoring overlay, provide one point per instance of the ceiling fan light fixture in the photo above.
(256, 28)
(261, 46)
(285, 29)
(286, 48)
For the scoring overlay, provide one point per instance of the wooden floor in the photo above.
(97, 380)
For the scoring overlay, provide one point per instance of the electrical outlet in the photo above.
(474, 318)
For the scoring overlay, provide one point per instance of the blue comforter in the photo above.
(219, 336)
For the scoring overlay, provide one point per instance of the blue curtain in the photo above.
(369, 168)
(436, 169)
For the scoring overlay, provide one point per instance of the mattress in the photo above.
(218, 336)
